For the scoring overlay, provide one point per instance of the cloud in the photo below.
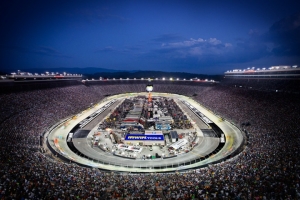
(193, 42)
(186, 43)
(48, 51)
(210, 52)
(253, 32)
(134, 49)
(287, 24)
(284, 35)
(281, 40)
(195, 47)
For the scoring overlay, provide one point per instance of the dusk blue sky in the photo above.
(204, 37)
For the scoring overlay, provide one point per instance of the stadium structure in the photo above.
(274, 72)
(246, 131)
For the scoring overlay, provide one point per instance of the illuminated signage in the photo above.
(143, 137)
(153, 133)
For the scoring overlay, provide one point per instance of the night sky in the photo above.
(207, 37)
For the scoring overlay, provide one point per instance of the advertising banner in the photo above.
(144, 137)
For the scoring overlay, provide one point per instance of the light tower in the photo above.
(149, 89)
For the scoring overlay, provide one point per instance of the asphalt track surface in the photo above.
(100, 117)
(206, 145)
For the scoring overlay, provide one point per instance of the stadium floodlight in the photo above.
(156, 79)
(163, 78)
(114, 79)
(142, 78)
(120, 78)
(171, 79)
(184, 79)
(127, 78)
(177, 79)
(191, 79)
(134, 78)
(149, 88)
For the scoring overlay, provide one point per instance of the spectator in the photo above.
(267, 169)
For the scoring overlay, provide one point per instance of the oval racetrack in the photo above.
(108, 161)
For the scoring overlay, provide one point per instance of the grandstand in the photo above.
(275, 78)
(268, 167)
(273, 72)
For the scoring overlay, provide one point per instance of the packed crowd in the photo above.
(267, 169)
(168, 107)
(115, 118)
(180, 120)
(265, 84)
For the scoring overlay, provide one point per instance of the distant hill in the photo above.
(92, 72)
(87, 70)
(152, 74)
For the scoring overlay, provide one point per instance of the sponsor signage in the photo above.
(144, 137)
(153, 133)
